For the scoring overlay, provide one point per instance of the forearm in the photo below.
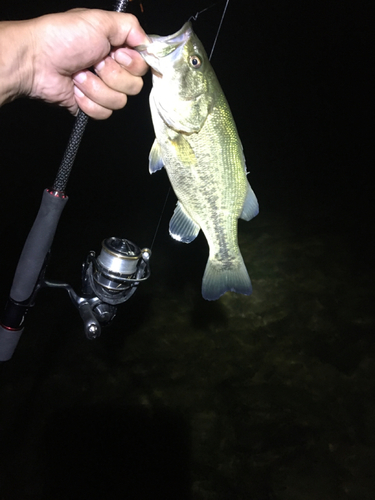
(15, 60)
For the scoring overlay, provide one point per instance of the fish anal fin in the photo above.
(182, 227)
(155, 161)
(250, 208)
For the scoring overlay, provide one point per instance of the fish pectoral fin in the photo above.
(182, 151)
(181, 226)
(155, 160)
(250, 207)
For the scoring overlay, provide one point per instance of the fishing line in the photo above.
(194, 17)
(218, 30)
(161, 216)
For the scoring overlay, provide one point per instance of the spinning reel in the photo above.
(107, 280)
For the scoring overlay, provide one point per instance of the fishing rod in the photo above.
(108, 279)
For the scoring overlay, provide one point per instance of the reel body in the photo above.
(108, 279)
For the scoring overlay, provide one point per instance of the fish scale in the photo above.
(198, 144)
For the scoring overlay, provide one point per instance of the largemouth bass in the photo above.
(198, 144)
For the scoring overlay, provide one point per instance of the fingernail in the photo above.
(99, 66)
(123, 58)
(78, 92)
(80, 77)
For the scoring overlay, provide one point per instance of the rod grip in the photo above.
(37, 246)
(8, 342)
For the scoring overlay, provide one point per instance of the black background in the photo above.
(297, 77)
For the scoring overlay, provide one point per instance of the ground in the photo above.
(261, 397)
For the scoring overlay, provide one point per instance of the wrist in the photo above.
(16, 69)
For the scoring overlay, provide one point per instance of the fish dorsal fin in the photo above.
(250, 207)
(155, 161)
(182, 227)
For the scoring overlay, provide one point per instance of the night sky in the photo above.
(297, 78)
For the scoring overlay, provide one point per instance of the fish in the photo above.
(198, 144)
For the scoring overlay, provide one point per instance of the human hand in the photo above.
(58, 49)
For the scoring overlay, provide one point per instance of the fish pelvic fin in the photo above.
(155, 160)
(218, 279)
(182, 227)
(250, 207)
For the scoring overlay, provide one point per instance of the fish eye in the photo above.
(195, 61)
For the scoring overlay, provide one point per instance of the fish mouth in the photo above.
(162, 46)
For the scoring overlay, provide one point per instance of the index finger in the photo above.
(121, 29)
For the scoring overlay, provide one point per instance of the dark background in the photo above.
(297, 76)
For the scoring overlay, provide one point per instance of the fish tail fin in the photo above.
(218, 279)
